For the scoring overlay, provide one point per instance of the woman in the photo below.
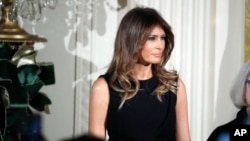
(138, 99)
(240, 96)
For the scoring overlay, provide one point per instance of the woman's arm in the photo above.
(98, 106)
(182, 125)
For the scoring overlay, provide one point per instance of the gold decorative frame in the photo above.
(247, 31)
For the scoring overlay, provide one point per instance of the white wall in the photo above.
(229, 55)
(57, 26)
(208, 34)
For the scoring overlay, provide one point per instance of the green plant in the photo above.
(21, 79)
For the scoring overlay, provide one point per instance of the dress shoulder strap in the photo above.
(106, 77)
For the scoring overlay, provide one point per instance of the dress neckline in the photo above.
(146, 80)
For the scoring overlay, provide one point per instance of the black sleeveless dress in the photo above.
(142, 118)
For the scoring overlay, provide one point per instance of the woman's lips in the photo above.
(157, 54)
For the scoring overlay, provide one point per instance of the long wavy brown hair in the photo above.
(132, 34)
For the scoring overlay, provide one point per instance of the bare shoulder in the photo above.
(100, 83)
(182, 125)
(100, 90)
(181, 83)
(181, 86)
(98, 105)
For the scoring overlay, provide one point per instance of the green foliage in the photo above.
(21, 79)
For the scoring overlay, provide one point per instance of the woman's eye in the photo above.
(163, 38)
(151, 38)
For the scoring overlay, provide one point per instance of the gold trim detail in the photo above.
(10, 31)
(247, 31)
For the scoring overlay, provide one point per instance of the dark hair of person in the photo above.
(132, 34)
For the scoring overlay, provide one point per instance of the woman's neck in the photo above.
(142, 72)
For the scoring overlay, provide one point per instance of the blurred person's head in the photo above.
(240, 92)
